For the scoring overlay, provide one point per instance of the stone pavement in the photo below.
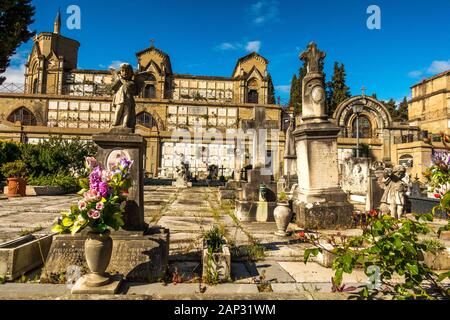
(278, 261)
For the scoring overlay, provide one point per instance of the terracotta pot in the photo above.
(97, 251)
(16, 187)
(282, 215)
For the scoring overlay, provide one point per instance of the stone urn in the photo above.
(97, 251)
(282, 215)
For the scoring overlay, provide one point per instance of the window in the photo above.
(25, 116)
(365, 128)
(145, 119)
(252, 96)
(150, 91)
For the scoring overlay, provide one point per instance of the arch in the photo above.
(365, 127)
(158, 123)
(145, 119)
(25, 116)
(252, 96)
(376, 113)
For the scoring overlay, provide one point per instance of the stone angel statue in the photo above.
(126, 86)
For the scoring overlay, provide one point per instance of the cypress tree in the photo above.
(271, 90)
(403, 110)
(337, 91)
(15, 17)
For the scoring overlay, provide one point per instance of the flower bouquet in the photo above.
(104, 195)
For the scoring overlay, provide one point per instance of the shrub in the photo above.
(214, 239)
(15, 169)
(9, 152)
(58, 156)
(57, 180)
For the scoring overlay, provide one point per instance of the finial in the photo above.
(363, 91)
(152, 42)
(57, 24)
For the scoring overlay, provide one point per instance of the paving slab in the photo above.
(240, 273)
(271, 270)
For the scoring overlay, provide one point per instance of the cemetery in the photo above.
(235, 199)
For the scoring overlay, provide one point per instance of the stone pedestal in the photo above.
(247, 207)
(119, 142)
(319, 202)
(112, 287)
(137, 255)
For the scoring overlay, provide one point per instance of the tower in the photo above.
(51, 57)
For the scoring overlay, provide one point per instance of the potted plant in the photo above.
(216, 256)
(282, 214)
(104, 196)
(15, 172)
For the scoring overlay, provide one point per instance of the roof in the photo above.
(190, 76)
(248, 57)
(447, 72)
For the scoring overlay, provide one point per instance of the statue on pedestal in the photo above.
(127, 85)
(393, 199)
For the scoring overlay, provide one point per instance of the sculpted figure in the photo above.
(127, 85)
(290, 142)
(393, 199)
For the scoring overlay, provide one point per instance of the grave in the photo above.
(319, 202)
(355, 175)
(250, 206)
(139, 253)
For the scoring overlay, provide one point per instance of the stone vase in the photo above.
(282, 215)
(97, 251)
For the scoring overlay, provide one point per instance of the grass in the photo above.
(25, 232)
(433, 246)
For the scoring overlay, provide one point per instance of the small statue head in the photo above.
(399, 171)
(126, 71)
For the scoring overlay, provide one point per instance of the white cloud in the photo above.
(264, 11)
(249, 46)
(415, 74)
(439, 66)
(229, 46)
(115, 64)
(253, 46)
(14, 74)
(283, 88)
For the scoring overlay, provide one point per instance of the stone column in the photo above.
(320, 203)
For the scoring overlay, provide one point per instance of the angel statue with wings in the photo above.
(127, 85)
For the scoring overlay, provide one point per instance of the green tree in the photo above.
(391, 106)
(403, 110)
(337, 90)
(295, 99)
(15, 17)
(271, 89)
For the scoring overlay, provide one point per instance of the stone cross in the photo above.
(312, 57)
(222, 169)
(259, 125)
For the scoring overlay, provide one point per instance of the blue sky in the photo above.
(207, 37)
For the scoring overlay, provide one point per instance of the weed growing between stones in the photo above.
(387, 247)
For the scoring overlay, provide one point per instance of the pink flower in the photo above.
(92, 195)
(99, 206)
(94, 214)
(81, 204)
(91, 162)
